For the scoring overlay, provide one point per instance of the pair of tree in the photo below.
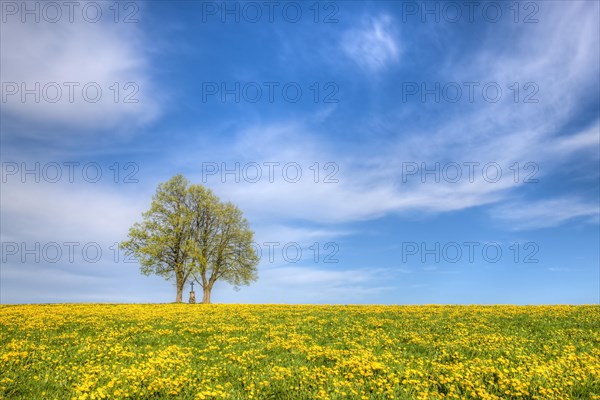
(189, 234)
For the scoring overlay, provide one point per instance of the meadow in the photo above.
(174, 351)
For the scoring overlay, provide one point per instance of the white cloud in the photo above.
(69, 212)
(370, 183)
(98, 54)
(46, 229)
(105, 281)
(547, 213)
(302, 236)
(589, 139)
(374, 45)
(313, 284)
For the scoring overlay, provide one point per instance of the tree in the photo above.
(161, 241)
(189, 233)
(222, 243)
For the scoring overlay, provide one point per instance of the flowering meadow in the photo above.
(174, 351)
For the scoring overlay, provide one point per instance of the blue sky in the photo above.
(498, 102)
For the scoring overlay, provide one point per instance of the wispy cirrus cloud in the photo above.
(374, 45)
(316, 284)
(547, 213)
(370, 183)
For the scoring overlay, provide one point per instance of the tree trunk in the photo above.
(206, 297)
(179, 298)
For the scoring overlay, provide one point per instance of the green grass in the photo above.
(299, 352)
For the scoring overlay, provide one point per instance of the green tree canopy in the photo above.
(188, 233)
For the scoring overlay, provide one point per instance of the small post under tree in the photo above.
(192, 295)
